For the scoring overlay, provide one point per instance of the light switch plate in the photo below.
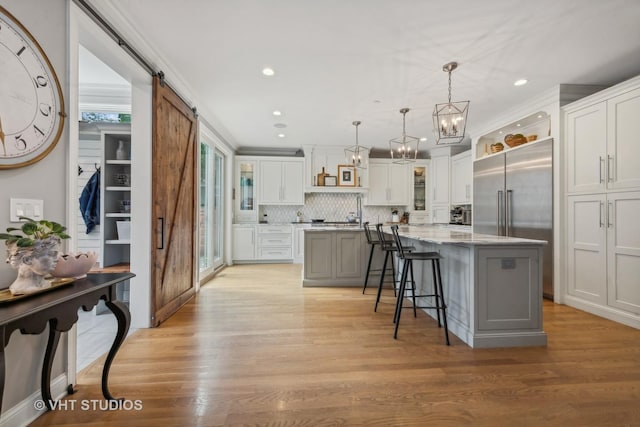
(31, 208)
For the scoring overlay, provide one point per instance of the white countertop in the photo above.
(453, 235)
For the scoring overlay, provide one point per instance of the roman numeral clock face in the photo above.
(31, 103)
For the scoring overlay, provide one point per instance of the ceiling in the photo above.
(337, 61)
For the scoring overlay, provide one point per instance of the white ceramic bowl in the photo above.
(74, 265)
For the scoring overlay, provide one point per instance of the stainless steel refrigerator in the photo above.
(513, 196)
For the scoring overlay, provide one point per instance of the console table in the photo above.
(59, 309)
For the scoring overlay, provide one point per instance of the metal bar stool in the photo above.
(389, 247)
(408, 258)
(372, 242)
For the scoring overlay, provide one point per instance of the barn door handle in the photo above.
(161, 223)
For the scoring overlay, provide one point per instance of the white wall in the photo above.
(44, 180)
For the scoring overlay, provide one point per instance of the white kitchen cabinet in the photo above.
(388, 184)
(439, 184)
(603, 241)
(245, 191)
(461, 178)
(298, 243)
(603, 152)
(281, 182)
(244, 242)
(275, 242)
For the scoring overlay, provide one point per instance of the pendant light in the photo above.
(450, 119)
(357, 155)
(404, 149)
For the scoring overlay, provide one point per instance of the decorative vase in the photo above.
(33, 263)
(121, 153)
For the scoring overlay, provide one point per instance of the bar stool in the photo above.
(408, 258)
(372, 242)
(389, 247)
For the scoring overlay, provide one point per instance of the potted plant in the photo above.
(33, 250)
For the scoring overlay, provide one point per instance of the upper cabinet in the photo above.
(281, 182)
(245, 190)
(440, 180)
(388, 183)
(461, 178)
(603, 150)
(327, 160)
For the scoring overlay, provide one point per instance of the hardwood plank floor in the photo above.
(255, 348)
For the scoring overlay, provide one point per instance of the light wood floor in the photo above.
(256, 349)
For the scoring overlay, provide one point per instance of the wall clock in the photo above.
(31, 103)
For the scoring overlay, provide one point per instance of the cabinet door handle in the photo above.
(609, 215)
(600, 220)
(161, 223)
(507, 214)
(610, 170)
(600, 166)
(498, 210)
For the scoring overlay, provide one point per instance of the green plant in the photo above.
(34, 230)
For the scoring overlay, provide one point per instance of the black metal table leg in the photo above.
(123, 316)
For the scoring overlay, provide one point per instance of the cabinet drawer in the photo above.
(268, 240)
(274, 253)
(418, 218)
(274, 229)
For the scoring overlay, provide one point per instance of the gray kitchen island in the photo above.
(492, 284)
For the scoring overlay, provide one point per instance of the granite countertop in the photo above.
(447, 235)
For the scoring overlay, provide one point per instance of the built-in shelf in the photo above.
(514, 148)
(325, 189)
(117, 215)
(118, 162)
(117, 242)
(117, 188)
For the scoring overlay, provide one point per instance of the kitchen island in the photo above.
(492, 284)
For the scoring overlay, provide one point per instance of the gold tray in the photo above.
(56, 282)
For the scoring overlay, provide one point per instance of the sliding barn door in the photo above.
(174, 202)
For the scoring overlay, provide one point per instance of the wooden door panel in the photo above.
(174, 202)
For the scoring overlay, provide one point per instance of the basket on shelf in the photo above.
(497, 147)
(515, 140)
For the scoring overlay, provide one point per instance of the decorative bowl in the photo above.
(532, 138)
(515, 140)
(74, 265)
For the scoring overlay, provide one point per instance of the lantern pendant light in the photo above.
(404, 149)
(450, 119)
(357, 155)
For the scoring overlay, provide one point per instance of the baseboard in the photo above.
(25, 412)
(607, 312)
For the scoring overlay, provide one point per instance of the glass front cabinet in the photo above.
(245, 190)
(419, 209)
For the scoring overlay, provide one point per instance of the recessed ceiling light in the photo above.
(539, 116)
(281, 135)
(423, 139)
(520, 82)
(277, 113)
(518, 125)
(280, 125)
(268, 71)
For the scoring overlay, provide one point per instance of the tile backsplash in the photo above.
(327, 206)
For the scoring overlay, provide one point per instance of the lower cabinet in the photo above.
(275, 242)
(244, 242)
(298, 243)
(262, 242)
(603, 254)
(335, 258)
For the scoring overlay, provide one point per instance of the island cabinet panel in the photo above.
(511, 293)
(349, 255)
(318, 258)
(335, 257)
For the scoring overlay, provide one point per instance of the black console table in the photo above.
(59, 309)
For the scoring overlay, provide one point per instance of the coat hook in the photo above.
(80, 170)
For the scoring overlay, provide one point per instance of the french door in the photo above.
(211, 208)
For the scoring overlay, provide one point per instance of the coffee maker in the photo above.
(460, 215)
